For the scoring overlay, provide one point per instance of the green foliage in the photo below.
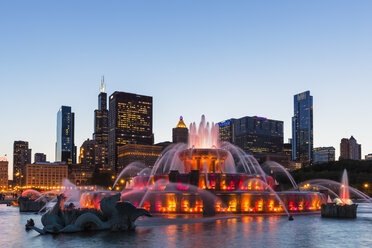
(360, 172)
(101, 179)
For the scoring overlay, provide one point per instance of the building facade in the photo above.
(92, 154)
(302, 129)
(255, 135)
(324, 154)
(147, 154)
(21, 157)
(130, 122)
(39, 157)
(350, 149)
(3, 173)
(42, 175)
(180, 134)
(100, 134)
(80, 174)
(65, 145)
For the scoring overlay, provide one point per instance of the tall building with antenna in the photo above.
(100, 134)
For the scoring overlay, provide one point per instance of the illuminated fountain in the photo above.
(341, 206)
(210, 177)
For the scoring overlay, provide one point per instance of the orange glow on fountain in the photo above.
(203, 177)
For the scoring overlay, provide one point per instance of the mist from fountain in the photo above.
(131, 170)
(327, 183)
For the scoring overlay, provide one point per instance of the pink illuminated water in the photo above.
(344, 189)
(206, 136)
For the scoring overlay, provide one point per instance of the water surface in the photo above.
(193, 231)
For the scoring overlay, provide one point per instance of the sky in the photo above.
(224, 59)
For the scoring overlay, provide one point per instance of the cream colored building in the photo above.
(45, 174)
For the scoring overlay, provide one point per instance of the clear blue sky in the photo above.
(221, 58)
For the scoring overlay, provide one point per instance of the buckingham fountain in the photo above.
(208, 177)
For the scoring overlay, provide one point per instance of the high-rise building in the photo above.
(3, 173)
(39, 157)
(350, 149)
(255, 135)
(100, 134)
(92, 154)
(21, 157)
(65, 145)
(226, 130)
(130, 122)
(302, 129)
(180, 133)
(324, 154)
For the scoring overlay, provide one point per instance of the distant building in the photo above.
(100, 134)
(256, 135)
(180, 133)
(227, 130)
(302, 129)
(80, 174)
(147, 154)
(287, 149)
(21, 157)
(350, 149)
(368, 156)
(3, 173)
(294, 165)
(65, 145)
(42, 175)
(92, 153)
(39, 157)
(324, 154)
(130, 122)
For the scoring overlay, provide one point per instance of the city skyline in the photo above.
(222, 72)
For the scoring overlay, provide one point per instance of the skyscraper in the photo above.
(130, 122)
(302, 129)
(350, 149)
(92, 153)
(100, 134)
(65, 145)
(180, 133)
(256, 135)
(21, 157)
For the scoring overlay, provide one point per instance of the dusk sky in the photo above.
(224, 59)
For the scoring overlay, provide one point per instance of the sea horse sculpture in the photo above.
(114, 215)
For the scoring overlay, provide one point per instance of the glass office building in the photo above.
(302, 129)
(65, 145)
(256, 135)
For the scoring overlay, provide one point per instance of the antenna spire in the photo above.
(102, 90)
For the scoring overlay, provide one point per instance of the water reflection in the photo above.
(193, 231)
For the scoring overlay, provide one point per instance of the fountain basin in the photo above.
(332, 210)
